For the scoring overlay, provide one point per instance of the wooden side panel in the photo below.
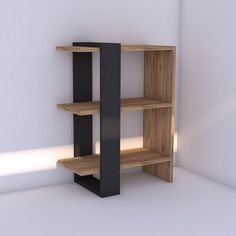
(159, 76)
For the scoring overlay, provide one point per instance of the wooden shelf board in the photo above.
(142, 48)
(89, 165)
(77, 49)
(127, 104)
(124, 48)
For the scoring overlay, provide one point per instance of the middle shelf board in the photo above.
(127, 104)
(89, 165)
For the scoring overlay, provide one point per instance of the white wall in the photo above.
(34, 77)
(207, 94)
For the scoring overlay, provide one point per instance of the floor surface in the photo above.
(190, 206)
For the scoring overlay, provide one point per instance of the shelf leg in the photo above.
(159, 77)
(109, 183)
(110, 119)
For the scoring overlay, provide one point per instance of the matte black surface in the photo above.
(110, 118)
(109, 183)
(90, 183)
(82, 92)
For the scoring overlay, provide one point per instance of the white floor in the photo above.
(190, 206)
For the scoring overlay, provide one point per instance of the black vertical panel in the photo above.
(82, 92)
(110, 119)
(109, 183)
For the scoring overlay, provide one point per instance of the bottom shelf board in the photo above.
(89, 165)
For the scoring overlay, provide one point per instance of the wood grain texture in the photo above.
(128, 104)
(88, 165)
(77, 49)
(124, 48)
(159, 77)
(143, 48)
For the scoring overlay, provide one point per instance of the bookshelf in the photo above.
(156, 156)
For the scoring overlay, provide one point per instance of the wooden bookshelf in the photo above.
(156, 155)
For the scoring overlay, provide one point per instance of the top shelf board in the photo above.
(124, 48)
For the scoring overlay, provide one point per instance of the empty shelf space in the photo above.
(124, 48)
(89, 165)
(127, 104)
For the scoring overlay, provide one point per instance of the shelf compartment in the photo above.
(89, 165)
(127, 104)
(124, 48)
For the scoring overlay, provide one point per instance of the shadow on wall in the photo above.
(210, 119)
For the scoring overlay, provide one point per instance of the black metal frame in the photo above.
(109, 183)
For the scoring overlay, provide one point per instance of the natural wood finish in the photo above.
(77, 49)
(143, 48)
(89, 165)
(124, 48)
(156, 156)
(159, 76)
(157, 137)
(128, 104)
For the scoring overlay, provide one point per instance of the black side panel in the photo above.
(82, 92)
(110, 119)
(109, 183)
